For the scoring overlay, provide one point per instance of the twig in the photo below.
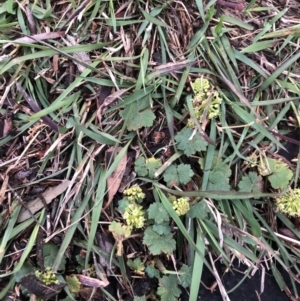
(236, 6)
(36, 108)
(22, 203)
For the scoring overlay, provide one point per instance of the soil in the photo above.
(249, 290)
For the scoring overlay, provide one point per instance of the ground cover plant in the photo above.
(144, 140)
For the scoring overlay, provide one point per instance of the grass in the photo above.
(102, 106)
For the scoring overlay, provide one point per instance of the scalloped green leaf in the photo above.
(187, 145)
(158, 244)
(178, 174)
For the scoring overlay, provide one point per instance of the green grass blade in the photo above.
(154, 20)
(9, 229)
(279, 71)
(258, 46)
(197, 267)
(77, 215)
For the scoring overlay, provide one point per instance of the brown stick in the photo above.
(236, 6)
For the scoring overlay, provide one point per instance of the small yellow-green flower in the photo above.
(181, 205)
(214, 108)
(200, 86)
(205, 95)
(134, 194)
(290, 203)
(134, 216)
(152, 160)
(47, 277)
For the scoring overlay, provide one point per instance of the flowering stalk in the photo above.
(205, 96)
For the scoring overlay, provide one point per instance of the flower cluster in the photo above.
(134, 216)
(181, 205)
(47, 277)
(214, 108)
(134, 194)
(153, 160)
(201, 86)
(204, 95)
(290, 203)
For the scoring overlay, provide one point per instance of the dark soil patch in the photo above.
(250, 288)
